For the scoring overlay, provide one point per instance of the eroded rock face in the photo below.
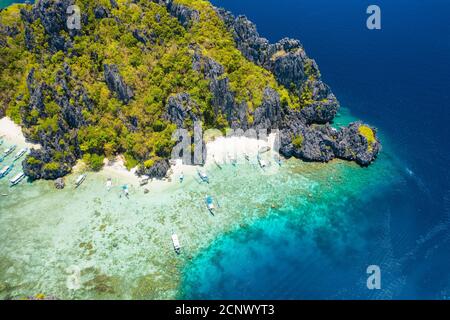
(323, 143)
(289, 63)
(157, 171)
(286, 59)
(53, 16)
(180, 108)
(116, 84)
(269, 114)
(40, 164)
(101, 12)
(355, 147)
(59, 183)
(185, 15)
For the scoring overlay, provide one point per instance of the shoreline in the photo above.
(219, 152)
(13, 132)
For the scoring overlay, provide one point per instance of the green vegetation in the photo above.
(297, 141)
(155, 70)
(368, 134)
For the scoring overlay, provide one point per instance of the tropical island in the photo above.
(137, 70)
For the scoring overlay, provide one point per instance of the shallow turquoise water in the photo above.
(319, 246)
(90, 243)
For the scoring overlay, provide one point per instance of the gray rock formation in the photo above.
(269, 114)
(158, 170)
(53, 16)
(289, 63)
(59, 183)
(116, 84)
(180, 108)
(185, 15)
(101, 12)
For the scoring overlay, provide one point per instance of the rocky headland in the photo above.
(77, 101)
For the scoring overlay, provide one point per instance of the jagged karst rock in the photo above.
(158, 170)
(144, 36)
(289, 63)
(29, 39)
(116, 84)
(269, 114)
(36, 165)
(223, 99)
(181, 107)
(53, 16)
(354, 147)
(114, 4)
(101, 12)
(324, 143)
(185, 15)
(304, 128)
(59, 183)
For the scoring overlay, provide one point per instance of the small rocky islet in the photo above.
(137, 70)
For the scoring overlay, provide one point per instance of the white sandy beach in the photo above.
(12, 132)
(220, 150)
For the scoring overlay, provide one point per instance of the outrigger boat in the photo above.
(80, 180)
(20, 154)
(217, 163)
(262, 163)
(4, 172)
(203, 176)
(16, 180)
(9, 150)
(108, 184)
(144, 181)
(210, 204)
(264, 149)
(126, 191)
(233, 159)
(176, 243)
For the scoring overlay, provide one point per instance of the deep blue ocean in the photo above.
(397, 79)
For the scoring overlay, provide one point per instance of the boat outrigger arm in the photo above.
(80, 180)
(16, 180)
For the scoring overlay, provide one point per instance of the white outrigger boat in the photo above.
(217, 163)
(80, 180)
(9, 150)
(4, 172)
(264, 149)
(176, 243)
(20, 154)
(203, 176)
(233, 159)
(262, 163)
(210, 204)
(16, 180)
(108, 184)
(144, 181)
